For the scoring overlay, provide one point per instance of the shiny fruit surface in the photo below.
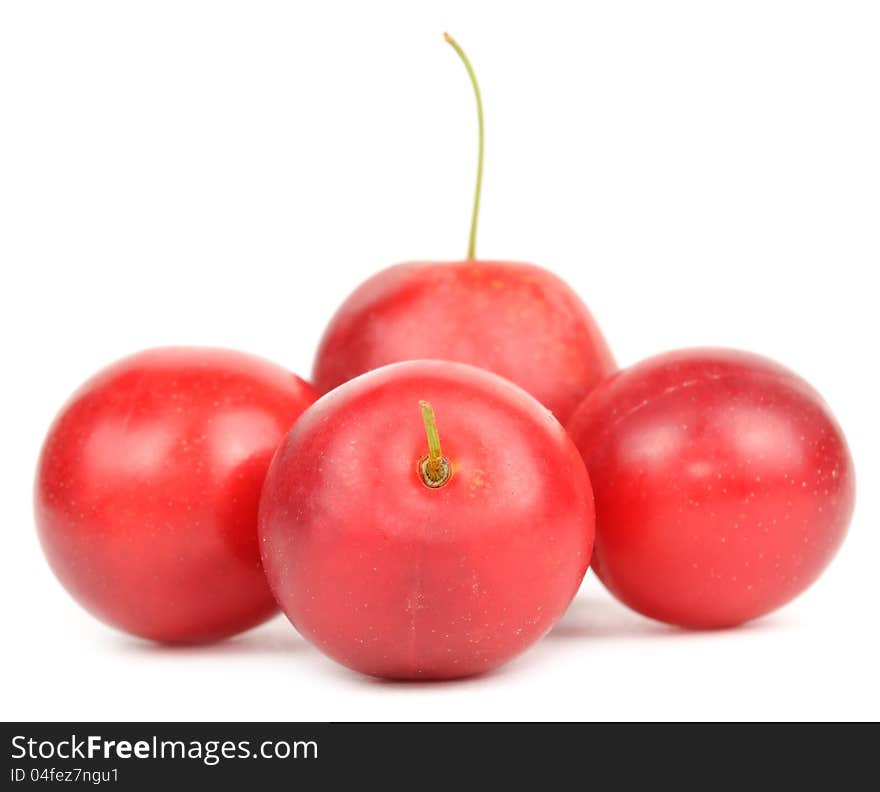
(148, 486)
(723, 485)
(516, 320)
(397, 576)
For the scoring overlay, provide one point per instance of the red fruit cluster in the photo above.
(433, 518)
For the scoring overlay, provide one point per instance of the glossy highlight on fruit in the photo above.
(723, 485)
(148, 486)
(426, 520)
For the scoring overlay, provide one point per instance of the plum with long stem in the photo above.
(517, 320)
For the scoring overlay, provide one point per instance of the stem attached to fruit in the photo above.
(434, 468)
(472, 241)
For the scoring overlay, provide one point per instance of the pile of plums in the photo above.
(473, 450)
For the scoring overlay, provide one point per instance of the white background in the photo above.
(225, 172)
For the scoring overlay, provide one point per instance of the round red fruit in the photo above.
(517, 320)
(148, 487)
(409, 546)
(723, 485)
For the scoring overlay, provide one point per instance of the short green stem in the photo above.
(434, 469)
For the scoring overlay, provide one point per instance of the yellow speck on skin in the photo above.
(477, 481)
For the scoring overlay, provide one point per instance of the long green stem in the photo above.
(472, 240)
